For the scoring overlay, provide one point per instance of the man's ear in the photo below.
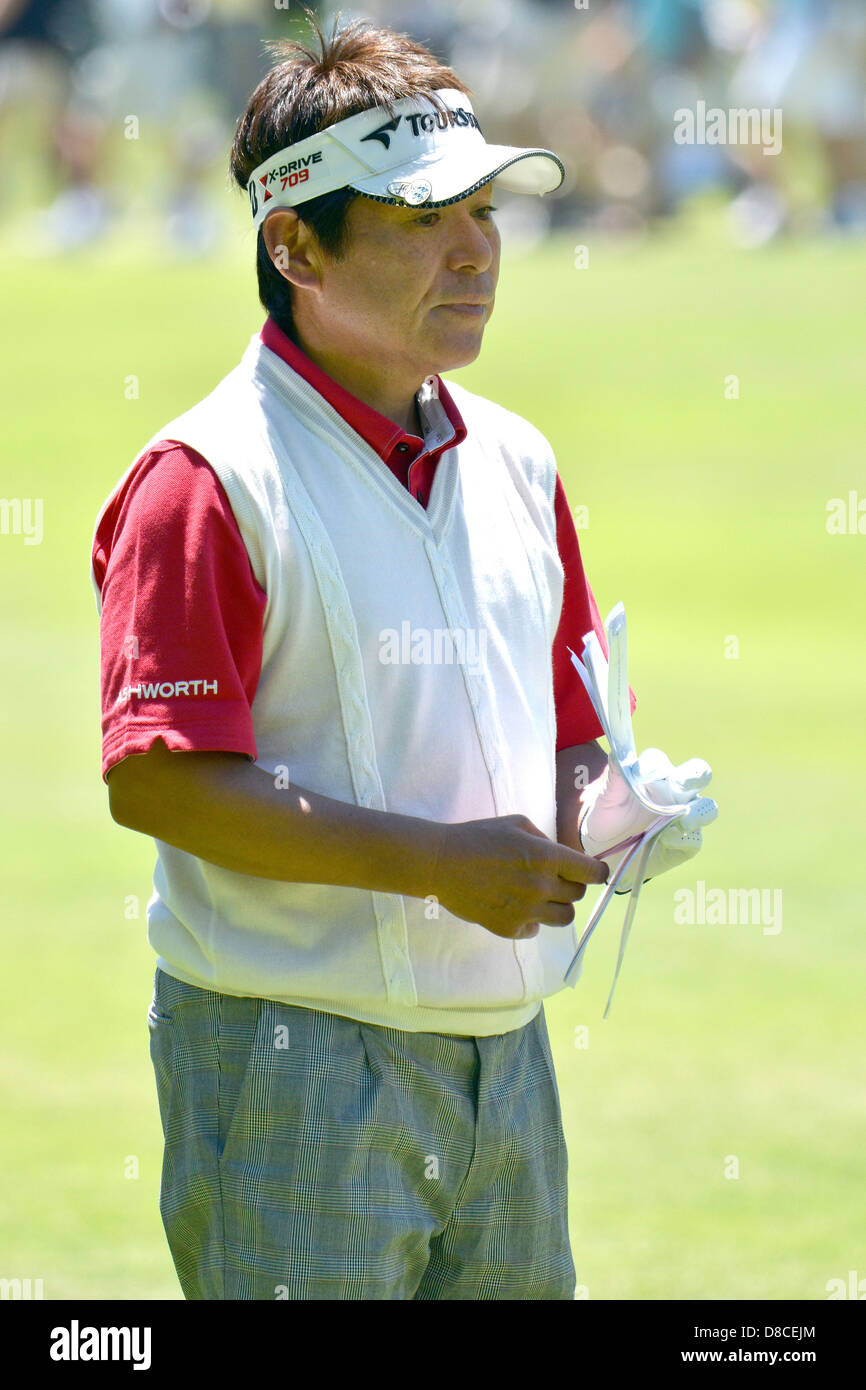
(292, 247)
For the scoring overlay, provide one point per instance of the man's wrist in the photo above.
(432, 856)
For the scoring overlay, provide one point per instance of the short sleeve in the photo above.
(576, 720)
(181, 612)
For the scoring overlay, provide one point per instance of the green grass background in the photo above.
(707, 518)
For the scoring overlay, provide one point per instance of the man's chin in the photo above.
(460, 352)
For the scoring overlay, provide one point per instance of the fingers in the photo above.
(701, 812)
(669, 785)
(563, 891)
(576, 870)
(655, 766)
(557, 914)
(693, 775)
(674, 838)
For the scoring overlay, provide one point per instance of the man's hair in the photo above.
(357, 67)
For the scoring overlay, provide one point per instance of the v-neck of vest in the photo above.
(321, 416)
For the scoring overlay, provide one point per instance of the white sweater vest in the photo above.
(406, 666)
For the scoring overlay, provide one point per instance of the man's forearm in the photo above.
(576, 767)
(224, 809)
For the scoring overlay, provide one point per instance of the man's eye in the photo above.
(486, 210)
(428, 219)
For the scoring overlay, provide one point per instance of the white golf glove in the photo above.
(611, 813)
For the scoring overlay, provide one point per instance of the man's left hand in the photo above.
(610, 813)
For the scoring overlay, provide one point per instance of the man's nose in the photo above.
(470, 247)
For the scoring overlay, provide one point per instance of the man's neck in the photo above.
(372, 387)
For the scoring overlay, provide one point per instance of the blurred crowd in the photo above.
(598, 81)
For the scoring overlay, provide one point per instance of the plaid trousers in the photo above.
(311, 1156)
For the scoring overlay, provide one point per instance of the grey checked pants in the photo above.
(310, 1156)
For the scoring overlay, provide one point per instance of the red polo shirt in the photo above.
(179, 594)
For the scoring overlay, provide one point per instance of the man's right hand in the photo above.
(508, 876)
(503, 873)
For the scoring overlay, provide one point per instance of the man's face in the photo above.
(414, 289)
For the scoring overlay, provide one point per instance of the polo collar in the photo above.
(441, 421)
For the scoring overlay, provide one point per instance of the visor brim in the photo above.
(517, 170)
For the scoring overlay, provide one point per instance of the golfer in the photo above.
(336, 599)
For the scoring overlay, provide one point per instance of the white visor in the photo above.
(417, 156)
